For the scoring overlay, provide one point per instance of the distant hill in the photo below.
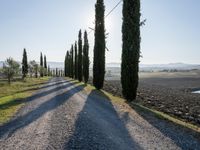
(143, 67)
(59, 65)
(52, 64)
(146, 67)
(178, 66)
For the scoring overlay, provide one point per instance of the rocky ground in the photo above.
(170, 95)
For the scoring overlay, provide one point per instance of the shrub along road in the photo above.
(62, 115)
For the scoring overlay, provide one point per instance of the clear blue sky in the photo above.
(171, 33)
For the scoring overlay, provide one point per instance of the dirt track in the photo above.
(62, 116)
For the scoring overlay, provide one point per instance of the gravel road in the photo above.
(62, 116)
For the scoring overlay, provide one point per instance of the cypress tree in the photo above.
(76, 61)
(24, 64)
(45, 65)
(80, 66)
(49, 71)
(68, 64)
(72, 61)
(99, 46)
(86, 58)
(65, 64)
(56, 72)
(41, 65)
(130, 48)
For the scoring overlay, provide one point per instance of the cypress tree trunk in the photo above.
(76, 61)
(99, 47)
(80, 66)
(41, 65)
(86, 58)
(130, 48)
(24, 64)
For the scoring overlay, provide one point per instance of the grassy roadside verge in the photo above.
(11, 96)
(117, 100)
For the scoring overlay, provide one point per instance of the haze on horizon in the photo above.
(171, 33)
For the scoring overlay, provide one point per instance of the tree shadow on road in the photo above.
(183, 137)
(41, 86)
(51, 104)
(98, 126)
(53, 88)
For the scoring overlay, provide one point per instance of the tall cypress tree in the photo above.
(72, 61)
(130, 48)
(86, 58)
(45, 65)
(41, 65)
(99, 45)
(80, 66)
(49, 71)
(76, 61)
(65, 64)
(56, 72)
(24, 64)
(68, 64)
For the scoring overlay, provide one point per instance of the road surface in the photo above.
(62, 116)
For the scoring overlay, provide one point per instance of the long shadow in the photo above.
(50, 80)
(44, 87)
(16, 92)
(30, 89)
(98, 126)
(45, 107)
(37, 95)
(176, 133)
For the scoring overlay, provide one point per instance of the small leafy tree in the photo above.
(33, 68)
(10, 69)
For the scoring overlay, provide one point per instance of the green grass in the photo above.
(12, 96)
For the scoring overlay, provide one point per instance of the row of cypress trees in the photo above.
(77, 59)
(44, 71)
(130, 47)
(130, 50)
(43, 65)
